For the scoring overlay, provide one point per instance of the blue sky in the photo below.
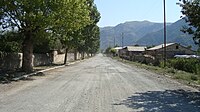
(114, 12)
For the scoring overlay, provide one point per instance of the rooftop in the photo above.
(160, 46)
(117, 48)
(136, 48)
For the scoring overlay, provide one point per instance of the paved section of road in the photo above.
(99, 84)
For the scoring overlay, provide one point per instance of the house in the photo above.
(117, 50)
(129, 52)
(172, 49)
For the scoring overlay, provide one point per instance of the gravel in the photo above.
(98, 84)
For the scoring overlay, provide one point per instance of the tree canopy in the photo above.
(191, 9)
(41, 21)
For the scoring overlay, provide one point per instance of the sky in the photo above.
(114, 12)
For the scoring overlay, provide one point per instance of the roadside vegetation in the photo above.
(190, 65)
(40, 26)
(186, 70)
(188, 76)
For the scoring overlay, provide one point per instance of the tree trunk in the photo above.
(27, 53)
(83, 55)
(75, 55)
(66, 51)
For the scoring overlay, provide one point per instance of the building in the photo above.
(129, 52)
(117, 50)
(172, 49)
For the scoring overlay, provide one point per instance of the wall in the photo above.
(10, 61)
(70, 57)
(13, 61)
(57, 58)
(145, 59)
(41, 59)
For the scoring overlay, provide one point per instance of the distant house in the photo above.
(172, 49)
(117, 50)
(129, 52)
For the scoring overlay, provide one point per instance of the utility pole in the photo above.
(122, 40)
(122, 45)
(114, 41)
(165, 34)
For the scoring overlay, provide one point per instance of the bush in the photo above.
(198, 69)
(194, 78)
(198, 82)
(10, 42)
(188, 65)
(171, 70)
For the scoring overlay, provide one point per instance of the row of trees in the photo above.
(45, 23)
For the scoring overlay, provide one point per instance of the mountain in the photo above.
(132, 32)
(173, 35)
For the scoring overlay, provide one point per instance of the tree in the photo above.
(34, 19)
(10, 42)
(87, 38)
(91, 33)
(73, 17)
(107, 51)
(191, 9)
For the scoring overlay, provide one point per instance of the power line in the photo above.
(122, 40)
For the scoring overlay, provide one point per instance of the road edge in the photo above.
(45, 70)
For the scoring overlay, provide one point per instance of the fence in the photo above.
(13, 61)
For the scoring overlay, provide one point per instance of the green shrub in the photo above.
(198, 69)
(171, 70)
(194, 78)
(178, 77)
(188, 65)
(198, 82)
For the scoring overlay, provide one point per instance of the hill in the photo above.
(173, 35)
(133, 31)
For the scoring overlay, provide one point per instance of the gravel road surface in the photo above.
(99, 84)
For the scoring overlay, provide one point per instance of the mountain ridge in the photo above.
(174, 34)
(133, 31)
(144, 33)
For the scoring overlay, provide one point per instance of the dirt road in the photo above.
(99, 84)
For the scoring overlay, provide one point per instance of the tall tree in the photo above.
(35, 18)
(90, 33)
(191, 9)
(81, 40)
(74, 16)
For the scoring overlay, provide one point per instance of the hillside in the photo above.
(173, 35)
(133, 31)
(144, 33)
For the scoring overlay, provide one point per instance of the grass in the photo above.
(181, 76)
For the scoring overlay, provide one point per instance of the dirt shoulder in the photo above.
(178, 75)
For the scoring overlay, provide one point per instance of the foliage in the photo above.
(188, 65)
(10, 42)
(194, 78)
(198, 51)
(107, 51)
(47, 44)
(89, 36)
(113, 51)
(191, 9)
(38, 20)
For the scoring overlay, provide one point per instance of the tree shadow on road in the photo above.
(164, 101)
(6, 78)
